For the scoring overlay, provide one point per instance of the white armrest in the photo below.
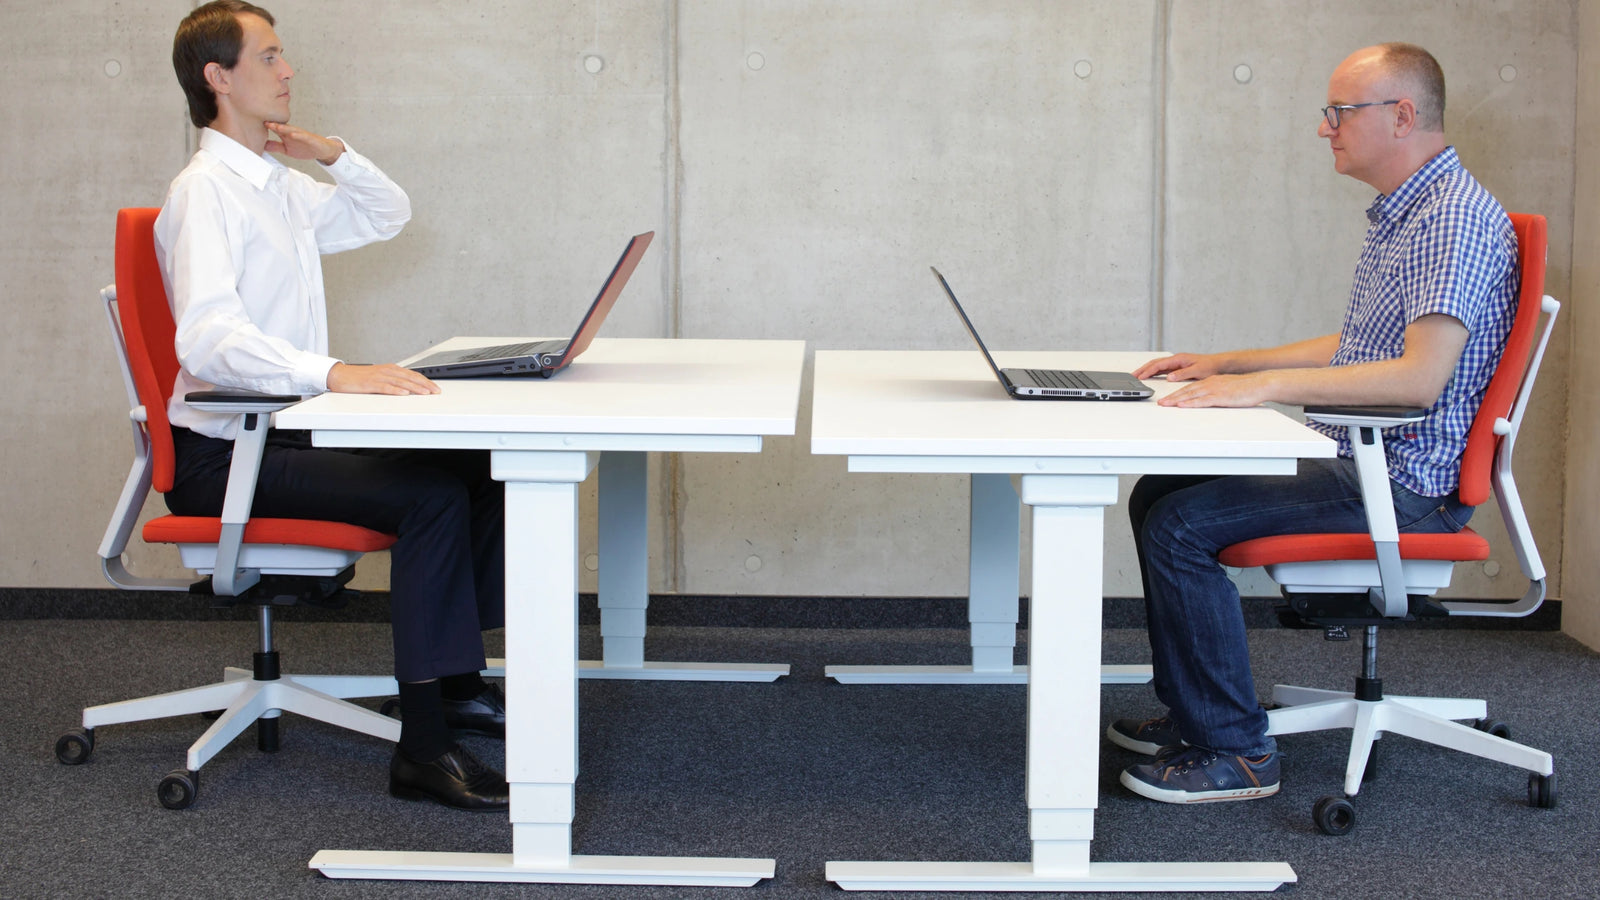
(1372, 467)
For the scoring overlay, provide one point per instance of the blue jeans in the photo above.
(1197, 633)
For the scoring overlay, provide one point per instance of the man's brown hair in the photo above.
(209, 34)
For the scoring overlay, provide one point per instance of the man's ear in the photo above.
(1405, 118)
(217, 78)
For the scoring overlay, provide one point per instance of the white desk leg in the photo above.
(994, 584)
(1063, 729)
(542, 711)
(625, 590)
(994, 580)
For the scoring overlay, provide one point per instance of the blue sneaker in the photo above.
(1147, 737)
(1197, 775)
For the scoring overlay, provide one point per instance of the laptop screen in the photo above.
(607, 296)
(970, 330)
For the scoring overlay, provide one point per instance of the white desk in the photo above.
(628, 397)
(943, 412)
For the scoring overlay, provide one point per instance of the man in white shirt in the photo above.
(239, 241)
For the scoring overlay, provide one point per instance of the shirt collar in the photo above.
(252, 168)
(1395, 205)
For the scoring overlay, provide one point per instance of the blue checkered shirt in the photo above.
(1439, 244)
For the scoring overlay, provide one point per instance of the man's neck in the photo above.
(250, 134)
(1417, 154)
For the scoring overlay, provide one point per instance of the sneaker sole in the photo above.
(1164, 796)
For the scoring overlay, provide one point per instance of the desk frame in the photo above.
(624, 588)
(1068, 498)
(994, 585)
(542, 686)
(938, 412)
(543, 451)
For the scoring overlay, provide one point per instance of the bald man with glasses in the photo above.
(1431, 303)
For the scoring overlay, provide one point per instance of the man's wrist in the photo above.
(336, 154)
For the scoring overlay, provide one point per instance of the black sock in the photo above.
(462, 687)
(423, 734)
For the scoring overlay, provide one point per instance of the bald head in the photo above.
(1399, 70)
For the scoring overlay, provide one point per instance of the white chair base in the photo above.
(1423, 718)
(243, 700)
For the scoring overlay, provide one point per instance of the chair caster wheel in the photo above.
(74, 747)
(1334, 815)
(1492, 726)
(178, 789)
(390, 707)
(1542, 790)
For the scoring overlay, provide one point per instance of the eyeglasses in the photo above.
(1331, 113)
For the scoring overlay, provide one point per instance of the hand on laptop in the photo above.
(1181, 367)
(385, 378)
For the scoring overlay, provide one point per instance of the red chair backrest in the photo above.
(1477, 461)
(147, 332)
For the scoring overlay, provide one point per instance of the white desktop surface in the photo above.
(618, 387)
(545, 438)
(938, 411)
(949, 404)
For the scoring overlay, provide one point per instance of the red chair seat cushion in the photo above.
(298, 532)
(1462, 546)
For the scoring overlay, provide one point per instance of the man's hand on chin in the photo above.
(302, 144)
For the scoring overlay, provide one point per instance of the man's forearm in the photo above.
(1309, 354)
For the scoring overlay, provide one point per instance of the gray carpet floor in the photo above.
(802, 770)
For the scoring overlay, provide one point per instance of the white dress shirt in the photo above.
(240, 240)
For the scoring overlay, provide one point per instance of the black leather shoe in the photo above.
(455, 779)
(484, 714)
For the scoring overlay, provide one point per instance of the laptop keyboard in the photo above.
(501, 350)
(1059, 378)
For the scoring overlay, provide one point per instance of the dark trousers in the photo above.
(447, 567)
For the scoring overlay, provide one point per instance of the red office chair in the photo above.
(1342, 580)
(263, 561)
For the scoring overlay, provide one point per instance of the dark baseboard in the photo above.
(665, 609)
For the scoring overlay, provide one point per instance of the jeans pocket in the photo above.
(1444, 517)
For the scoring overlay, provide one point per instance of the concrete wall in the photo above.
(1580, 563)
(1112, 174)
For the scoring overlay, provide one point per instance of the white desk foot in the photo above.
(684, 671)
(670, 870)
(674, 671)
(967, 675)
(981, 876)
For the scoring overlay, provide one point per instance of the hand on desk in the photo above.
(1221, 390)
(386, 378)
(1211, 387)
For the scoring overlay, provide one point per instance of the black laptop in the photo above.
(539, 357)
(1052, 384)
